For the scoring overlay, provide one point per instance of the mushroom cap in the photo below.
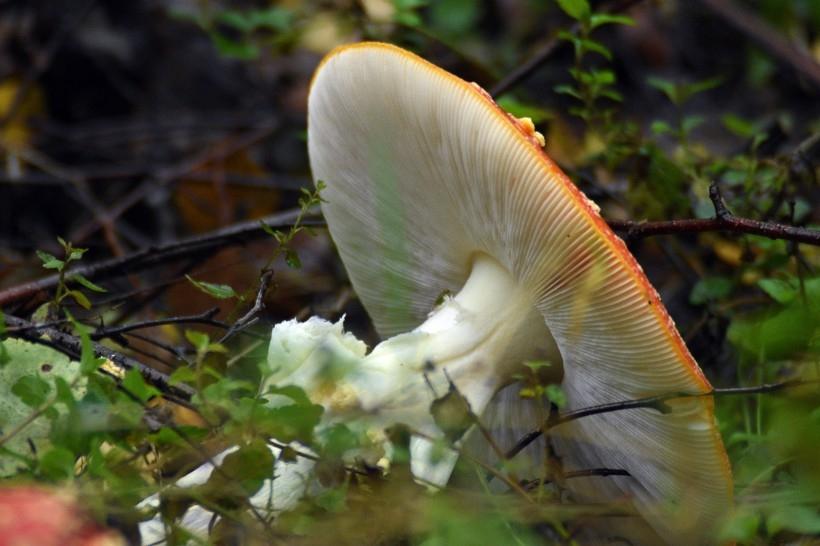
(423, 172)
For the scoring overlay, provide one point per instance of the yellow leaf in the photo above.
(17, 134)
(728, 251)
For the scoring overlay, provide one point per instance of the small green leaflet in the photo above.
(219, 291)
(81, 280)
(577, 9)
(49, 260)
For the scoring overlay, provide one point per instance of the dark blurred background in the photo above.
(127, 125)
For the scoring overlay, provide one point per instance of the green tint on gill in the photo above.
(389, 212)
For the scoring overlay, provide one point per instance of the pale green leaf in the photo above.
(219, 291)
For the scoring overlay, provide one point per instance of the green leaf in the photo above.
(243, 471)
(199, 340)
(183, 374)
(275, 233)
(287, 421)
(76, 254)
(782, 291)
(602, 77)
(219, 291)
(611, 94)
(661, 127)
(710, 289)
(600, 19)
(566, 89)
(31, 390)
(798, 519)
(50, 261)
(236, 19)
(556, 395)
(410, 4)
(535, 365)
(781, 331)
(43, 363)
(233, 49)
(690, 89)
(86, 283)
(57, 463)
(337, 440)
(292, 259)
(679, 93)
(332, 500)
(742, 526)
(521, 109)
(407, 18)
(666, 87)
(739, 126)
(577, 9)
(759, 139)
(65, 395)
(274, 18)
(79, 297)
(293, 392)
(135, 384)
(690, 123)
(663, 192)
(455, 17)
(89, 362)
(588, 45)
(4, 354)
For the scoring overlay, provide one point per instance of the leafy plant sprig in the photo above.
(308, 200)
(679, 94)
(71, 254)
(591, 85)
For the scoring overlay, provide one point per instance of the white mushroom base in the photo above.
(472, 342)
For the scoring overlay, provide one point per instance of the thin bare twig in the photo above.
(529, 485)
(723, 220)
(259, 304)
(785, 51)
(167, 176)
(206, 317)
(157, 255)
(176, 352)
(72, 346)
(657, 403)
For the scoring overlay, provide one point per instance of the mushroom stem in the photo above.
(476, 339)
(473, 342)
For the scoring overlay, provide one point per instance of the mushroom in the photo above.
(432, 189)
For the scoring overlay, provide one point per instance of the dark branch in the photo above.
(167, 176)
(206, 318)
(158, 255)
(242, 232)
(657, 403)
(259, 304)
(71, 346)
(529, 485)
(782, 49)
(723, 220)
